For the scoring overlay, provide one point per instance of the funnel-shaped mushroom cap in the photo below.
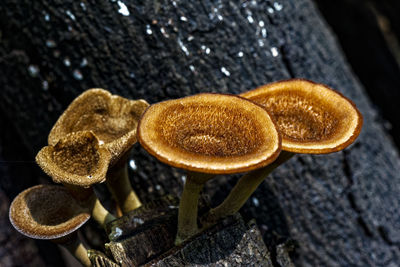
(210, 133)
(113, 119)
(47, 212)
(76, 159)
(311, 117)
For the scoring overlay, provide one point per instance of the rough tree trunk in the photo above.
(342, 209)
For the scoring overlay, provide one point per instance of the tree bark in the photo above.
(342, 209)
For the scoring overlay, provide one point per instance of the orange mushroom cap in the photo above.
(47, 212)
(210, 133)
(311, 117)
(113, 119)
(77, 159)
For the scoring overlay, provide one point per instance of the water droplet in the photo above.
(182, 18)
(46, 17)
(174, 3)
(117, 232)
(270, 10)
(67, 62)
(45, 85)
(50, 43)
(250, 19)
(69, 28)
(191, 67)
(206, 49)
(33, 70)
(123, 9)
(220, 18)
(90, 176)
(83, 6)
(183, 178)
(274, 51)
(101, 142)
(261, 23)
(69, 13)
(264, 32)
(190, 38)
(278, 6)
(255, 202)
(84, 62)
(183, 47)
(158, 187)
(164, 32)
(132, 75)
(148, 29)
(261, 43)
(78, 75)
(172, 207)
(132, 164)
(138, 220)
(240, 54)
(225, 71)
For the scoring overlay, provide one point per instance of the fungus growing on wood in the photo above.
(113, 119)
(49, 212)
(311, 117)
(78, 161)
(207, 134)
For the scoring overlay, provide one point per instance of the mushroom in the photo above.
(312, 119)
(78, 161)
(113, 119)
(49, 212)
(207, 134)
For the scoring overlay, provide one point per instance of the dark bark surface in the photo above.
(342, 209)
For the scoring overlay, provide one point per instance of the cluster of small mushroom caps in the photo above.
(205, 134)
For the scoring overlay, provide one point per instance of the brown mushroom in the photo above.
(312, 118)
(78, 161)
(49, 212)
(113, 119)
(207, 134)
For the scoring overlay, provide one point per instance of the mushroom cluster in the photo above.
(205, 134)
(210, 134)
(89, 144)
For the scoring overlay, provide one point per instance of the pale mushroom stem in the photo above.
(88, 197)
(243, 189)
(119, 185)
(188, 206)
(76, 248)
(100, 214)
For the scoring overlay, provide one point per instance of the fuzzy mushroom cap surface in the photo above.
(113, 119)
(210, 133)
(47, 212)
(311, 117)
(77, 159)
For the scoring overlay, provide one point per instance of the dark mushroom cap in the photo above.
(76, 159)
(311, 117)
(47, 212)
(113, 119)
(210, 133)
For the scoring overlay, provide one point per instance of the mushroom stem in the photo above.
(243, 189)
(119, 185)
(88, 197)
(100, 214)
(76, 248)
(188, 206)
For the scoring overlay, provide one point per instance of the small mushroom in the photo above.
(49, 212)
(311, 117)
(113, 119)
(207, 134)
(78, 161)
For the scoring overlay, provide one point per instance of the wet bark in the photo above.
(340, 208)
